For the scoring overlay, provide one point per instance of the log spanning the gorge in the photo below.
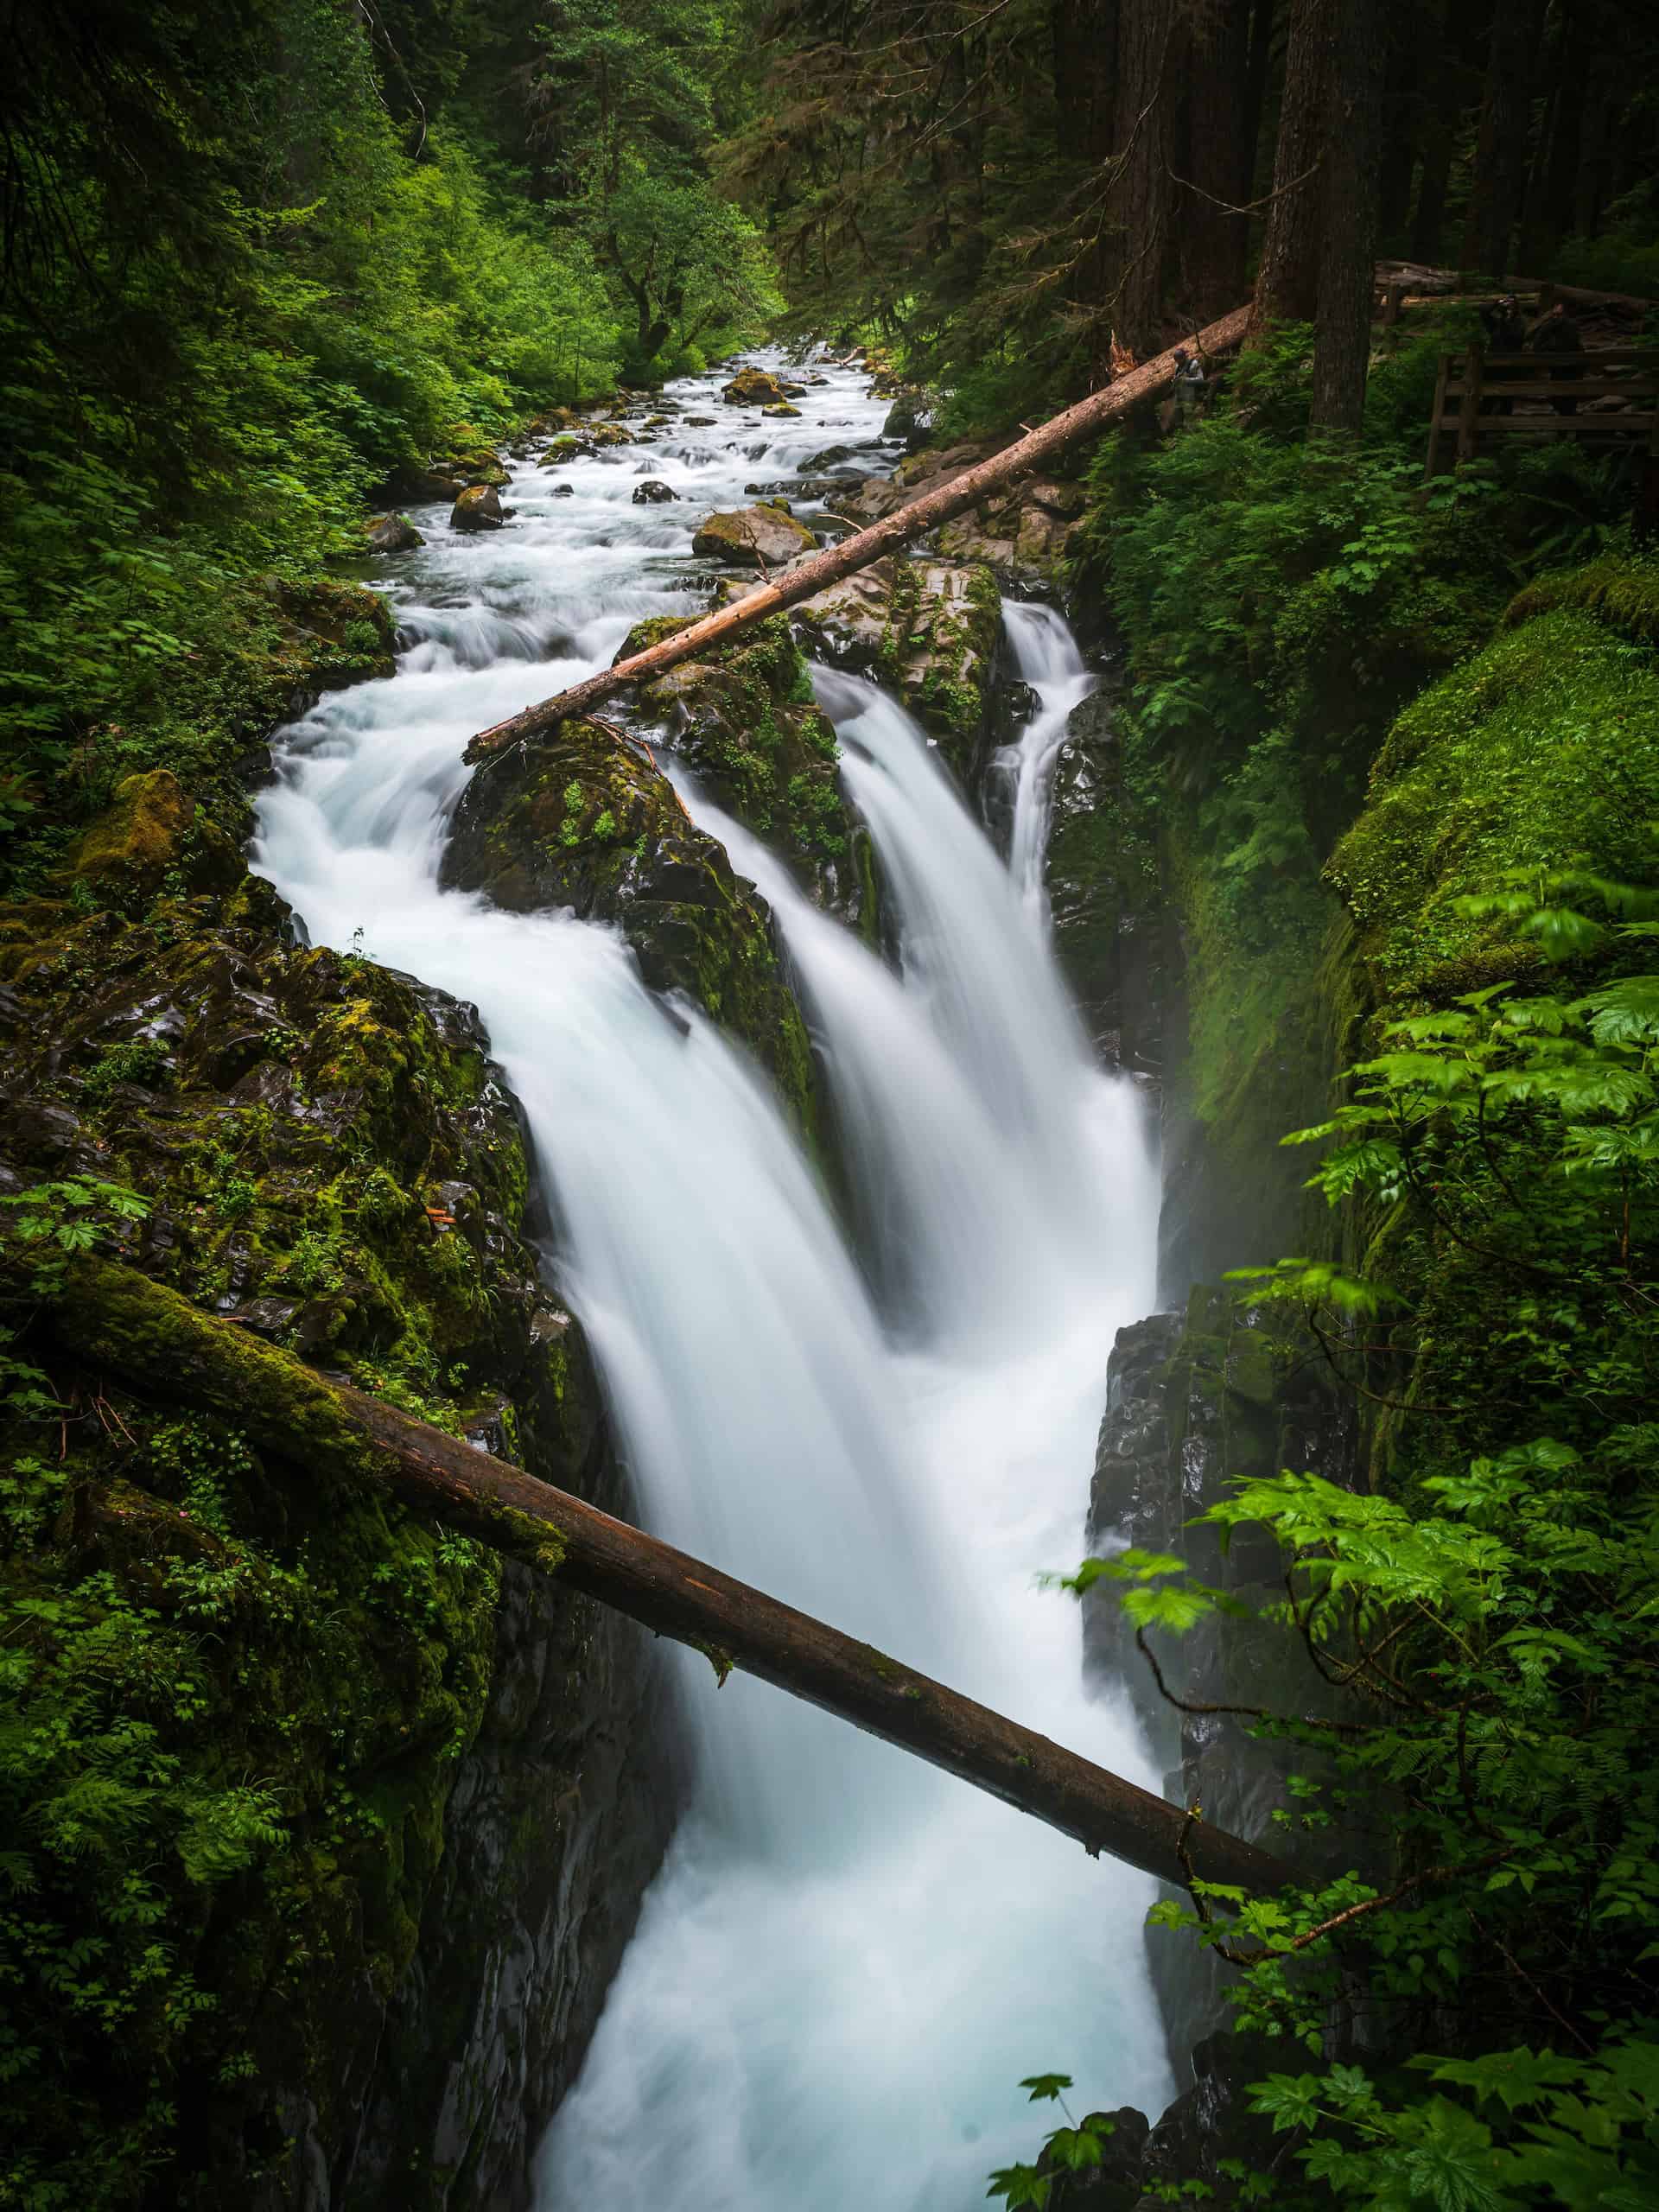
(815, 574)
(120, 1321)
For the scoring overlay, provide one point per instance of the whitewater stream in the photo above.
(848, 1960)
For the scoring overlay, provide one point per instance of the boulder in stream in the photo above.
(930, 629)
(753, 388)
(653, 493)
(392, 533)
(753, 538)
(584, 819)
(478, 508)
(744, 717)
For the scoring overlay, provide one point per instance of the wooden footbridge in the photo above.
(1607, 399)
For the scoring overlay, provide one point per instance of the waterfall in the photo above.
(1045, 657)
(849, 1960)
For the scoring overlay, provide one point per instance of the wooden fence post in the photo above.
(1468, 406)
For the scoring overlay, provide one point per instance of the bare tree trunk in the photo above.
(1087, 419)
(1218, 159)
(122, 1321)
(1500, 151)
(1403, 36)
(1084, 39)
(1342, 330)
(1287, 283)
(1566, 133)
(1150, 42)
(1437, 134)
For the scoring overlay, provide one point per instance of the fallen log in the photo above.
(1088, 416)
(117, 1319)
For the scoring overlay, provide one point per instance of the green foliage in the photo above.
(185, 1678)
(58, 1220)
(1530, 2129)
(1077, 2148)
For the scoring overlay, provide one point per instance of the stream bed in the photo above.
(848, 1960)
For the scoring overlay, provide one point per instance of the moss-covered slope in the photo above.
(286, 1778)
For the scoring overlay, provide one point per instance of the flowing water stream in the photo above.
(847, 1960)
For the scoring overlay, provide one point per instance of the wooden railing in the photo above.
(1479, 396)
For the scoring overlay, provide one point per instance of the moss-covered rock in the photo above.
(746, 721)
(1105, 897)
(392, 533)
(478, 508)
(139, 838)
(1542, 747)
(313, 1865)
(753, 388)
(584, 821)
(930, 629)
(763, 536)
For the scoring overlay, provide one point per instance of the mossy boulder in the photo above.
(140, 838)
(753, 538)
(1021, 534)
(1104, 893)
(584, 821)
(392, 533)
(753, 388)
(930, 629)
(782, 409)
(746, 719)
(1540, 749)
(478, 508)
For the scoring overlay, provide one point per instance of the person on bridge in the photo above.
(1506, 332)
(1559, 332)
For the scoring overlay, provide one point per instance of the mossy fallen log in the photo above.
(120, 1321)
(1086, 419)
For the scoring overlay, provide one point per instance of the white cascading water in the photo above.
(847, 1960)
(1045, 657)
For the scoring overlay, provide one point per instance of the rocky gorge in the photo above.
(333, 1156)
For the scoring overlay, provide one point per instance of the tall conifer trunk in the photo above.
(1348, 238)
(1500, 149)
(1286, 284)
(1219, 158)
(1151, 44)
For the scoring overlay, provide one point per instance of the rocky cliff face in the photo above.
(1197, 1401)
(389, 1808)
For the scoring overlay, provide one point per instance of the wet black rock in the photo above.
(653, 493)
(392, 533)
(478, 508)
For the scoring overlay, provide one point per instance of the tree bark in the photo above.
(1437, 133)
(1287, 283)
(1342, 330)
(1500, 149)
(1150, 41)
(1086, 419)
(1218, 160)
(119, 1320)
(1403, 35)
(1566, 135)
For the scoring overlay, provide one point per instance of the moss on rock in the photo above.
(928, 629)
(266, 1674)
(746, 721)
(1542, 747)
(584, 821)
